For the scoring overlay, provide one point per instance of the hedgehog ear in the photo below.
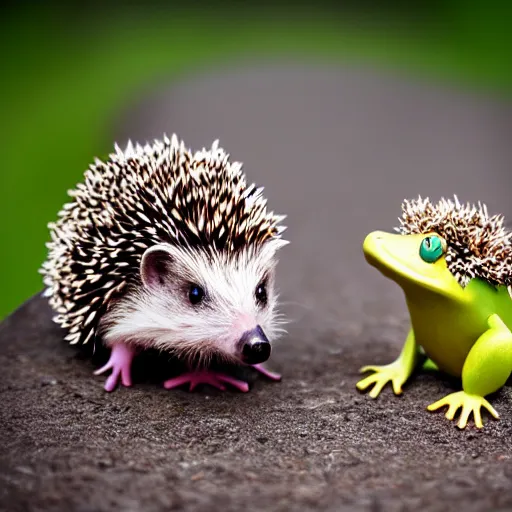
(156, 264)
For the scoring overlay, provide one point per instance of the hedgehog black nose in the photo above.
(255, 346)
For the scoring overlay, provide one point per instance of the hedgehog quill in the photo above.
(161, 248)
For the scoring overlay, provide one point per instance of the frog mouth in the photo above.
(380, 257)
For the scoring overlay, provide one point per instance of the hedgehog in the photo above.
(162, 248)
(478, 245)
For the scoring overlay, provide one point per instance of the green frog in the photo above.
(464, 329)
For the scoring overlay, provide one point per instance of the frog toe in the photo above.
(490, 409)
(369, 368)
(440, 403)
(464, 416)
(365, 383)
(379, 385)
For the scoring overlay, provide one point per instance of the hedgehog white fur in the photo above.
(147, 226)
(478, 244)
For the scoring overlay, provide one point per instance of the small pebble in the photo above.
(25, 470)
(48, 381)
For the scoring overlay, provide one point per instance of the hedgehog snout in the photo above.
(254, 346)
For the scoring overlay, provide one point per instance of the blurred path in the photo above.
(337, 150)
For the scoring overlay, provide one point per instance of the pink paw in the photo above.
(120, 363)
(212, 378)
(267, 373)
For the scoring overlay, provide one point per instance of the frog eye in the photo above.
(432, 248)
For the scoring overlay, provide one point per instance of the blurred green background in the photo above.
(69, 69)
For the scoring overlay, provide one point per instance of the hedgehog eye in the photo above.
(261, 293)
(432, 248)
(195, 294)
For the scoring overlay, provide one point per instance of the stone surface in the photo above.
(337, 150)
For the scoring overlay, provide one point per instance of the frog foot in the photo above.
(394, 373)
(469, 403)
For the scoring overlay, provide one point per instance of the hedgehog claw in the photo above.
(212, 378)
(267, 373)
(120, 363)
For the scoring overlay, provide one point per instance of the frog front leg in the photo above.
(486, 369)
(396, 372)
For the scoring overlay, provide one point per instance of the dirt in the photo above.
(337, 150)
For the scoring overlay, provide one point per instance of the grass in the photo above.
(63, 82)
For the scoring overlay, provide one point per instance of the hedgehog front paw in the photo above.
(394, 373)
(267, 373)
(469, 403)
(212, 378)
(120, 363)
